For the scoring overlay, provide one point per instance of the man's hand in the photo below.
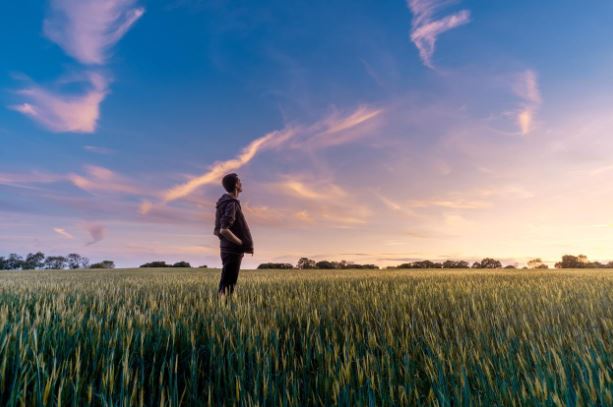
(227, 233)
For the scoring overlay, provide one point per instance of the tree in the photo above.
(183, 264)
(489, 263)
(3, 265)
(75, 261)
(84, 262)
(305, 263)
(55, 262)
(452, 264)
(476, 265)
(283, 266)
(34, 261)
(510, 266)
(14, 262)
(325, 264)
(204, 266)
(155, 264)
(571, 262)
(104, 264)
(535, 263)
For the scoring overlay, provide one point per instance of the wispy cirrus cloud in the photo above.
(317, 135)
(62, 232)
(426, 28)
(87, 29)
(338, 129)
(98, 150)
(102, 179)
(525, 86)
(59, 111)
(320, 191)
(220, 168)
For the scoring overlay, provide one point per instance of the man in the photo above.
(233, 232)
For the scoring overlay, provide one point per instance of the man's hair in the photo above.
(229, 182)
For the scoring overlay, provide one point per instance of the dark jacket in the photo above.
(229, 215)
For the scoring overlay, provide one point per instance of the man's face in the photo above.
(239, 187)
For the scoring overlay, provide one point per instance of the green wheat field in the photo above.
(153, 337)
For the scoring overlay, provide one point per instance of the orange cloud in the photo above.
(214, 174)
(526, 88)
(316, 135)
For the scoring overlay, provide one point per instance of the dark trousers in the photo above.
(229, 272)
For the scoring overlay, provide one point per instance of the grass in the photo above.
(294, 338)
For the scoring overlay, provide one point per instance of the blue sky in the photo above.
(367, 131)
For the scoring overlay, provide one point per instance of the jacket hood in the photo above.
(224, 199)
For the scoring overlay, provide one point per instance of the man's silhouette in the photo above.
(233, 232)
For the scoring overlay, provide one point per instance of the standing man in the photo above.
(233, 232)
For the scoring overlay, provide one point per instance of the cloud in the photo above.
(66, 112)
(316, 135)
(450, 203)
(506, 192)
(335, 129)
(320, 191)
(425, 28)
(87, 29)
(102, 179)
(25, 180)
(214, 174)
(145, 207)
(62, 232)
(98, 150)
(97, 233)
(525, 86)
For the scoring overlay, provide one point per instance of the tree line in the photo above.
(306, 263)
(568, 261)
(159, 264)
(38, 260)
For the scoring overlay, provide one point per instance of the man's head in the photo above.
(231, 183)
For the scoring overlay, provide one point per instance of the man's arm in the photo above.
(227, 233)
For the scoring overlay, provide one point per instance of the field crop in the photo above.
(294, 338)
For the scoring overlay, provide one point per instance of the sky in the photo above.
(372, 131)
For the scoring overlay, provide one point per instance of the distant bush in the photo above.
(285, 266)
(182, 264)
(154, 264)
(342, 265)
(104, 264)
(204, 266)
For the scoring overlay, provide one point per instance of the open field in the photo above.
(348, 337)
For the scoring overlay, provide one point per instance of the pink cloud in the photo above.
(64, 112)
(320, 134)
(97, 233)
(426, 29)
(339, 129)
(220, 168)
(87, 29)
(62, 232)
(525, 86)
(102, 179)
